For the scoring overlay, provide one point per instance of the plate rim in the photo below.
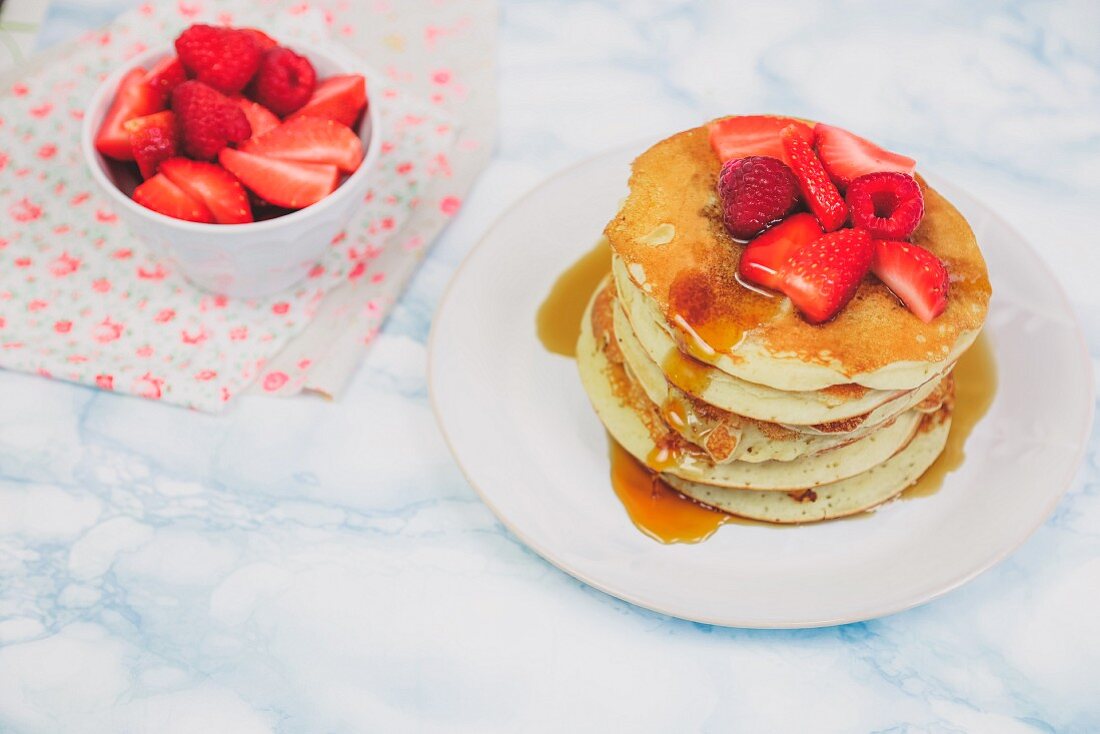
(548, 555)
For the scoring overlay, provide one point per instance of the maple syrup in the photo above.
(686, 373)
(707, 325)
(657, 509)
(975, 386)
(559, 316)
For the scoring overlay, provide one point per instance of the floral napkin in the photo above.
(82, 300)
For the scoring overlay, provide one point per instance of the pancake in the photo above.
(728, 436)
(839, 499)
(675, 250)
(636, 423)
(838, 408)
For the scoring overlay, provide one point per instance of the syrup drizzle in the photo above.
(975, 386)
(559, 317)
(653, 506)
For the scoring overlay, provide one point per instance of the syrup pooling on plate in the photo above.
(975, 387)
(656, 509)
(559, 316)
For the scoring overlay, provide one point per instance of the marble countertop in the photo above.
(305, 566)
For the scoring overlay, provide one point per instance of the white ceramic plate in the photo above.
(524, 434)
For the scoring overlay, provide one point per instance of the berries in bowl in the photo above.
(235, 156)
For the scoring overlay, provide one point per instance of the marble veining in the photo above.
(305, 566)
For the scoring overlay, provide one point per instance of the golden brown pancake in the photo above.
(670, 235)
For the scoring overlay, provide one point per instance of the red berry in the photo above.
(765, 259)
(821, 277)
(338, 98)
(288, 184)
(284, 82)
(310, 140)
(888, 205)
(744, 135)
(260, 118)
(847, 157)
(166, 76)
(154, 139)
(161, 195)
(211, 184)
(224, 58)
(914, 274)
(134, 98)
(755, 192)
(208, 119)
(819, 192)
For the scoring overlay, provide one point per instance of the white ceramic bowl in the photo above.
(240, 260)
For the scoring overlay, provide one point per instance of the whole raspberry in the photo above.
(888, 205)
(755, 192)
(284, 82)
(224, 58)
(208, 120)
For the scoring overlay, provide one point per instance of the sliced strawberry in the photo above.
(260, 118)
(745, 135)
(338, 98)
(153, 139)
(161, 195)
(310, 140)
(846, 156)
(765, 259)
(166, 76)
(821, 277)
(212, 185)
(914, 274)
(288, 184)
(261, 39)
(818, 190)
(134, 98)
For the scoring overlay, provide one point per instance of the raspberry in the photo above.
(208, 119)
(224, 58)
(755, 192)
(886, 204)
(284, 82)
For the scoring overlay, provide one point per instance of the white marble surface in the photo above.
(301, 566)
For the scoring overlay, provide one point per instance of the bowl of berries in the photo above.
(234, 156)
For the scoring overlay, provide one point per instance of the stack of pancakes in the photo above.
(735, 400)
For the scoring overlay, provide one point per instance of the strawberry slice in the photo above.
(288, 184)
(260, 118)
(338, 98)
(914, 274)
(166, 75)
(821, 277)
(847, 156)
(153, 139)
(134, 98)
(310, 140)
(745, 135)
(214, 186)
(765, 258)
(161, 195)
(818, 190)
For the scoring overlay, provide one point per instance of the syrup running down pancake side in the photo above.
(663, 513)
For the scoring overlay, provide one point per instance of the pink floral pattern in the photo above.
(81, 299)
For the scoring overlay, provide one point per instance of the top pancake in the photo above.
(670, 235)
